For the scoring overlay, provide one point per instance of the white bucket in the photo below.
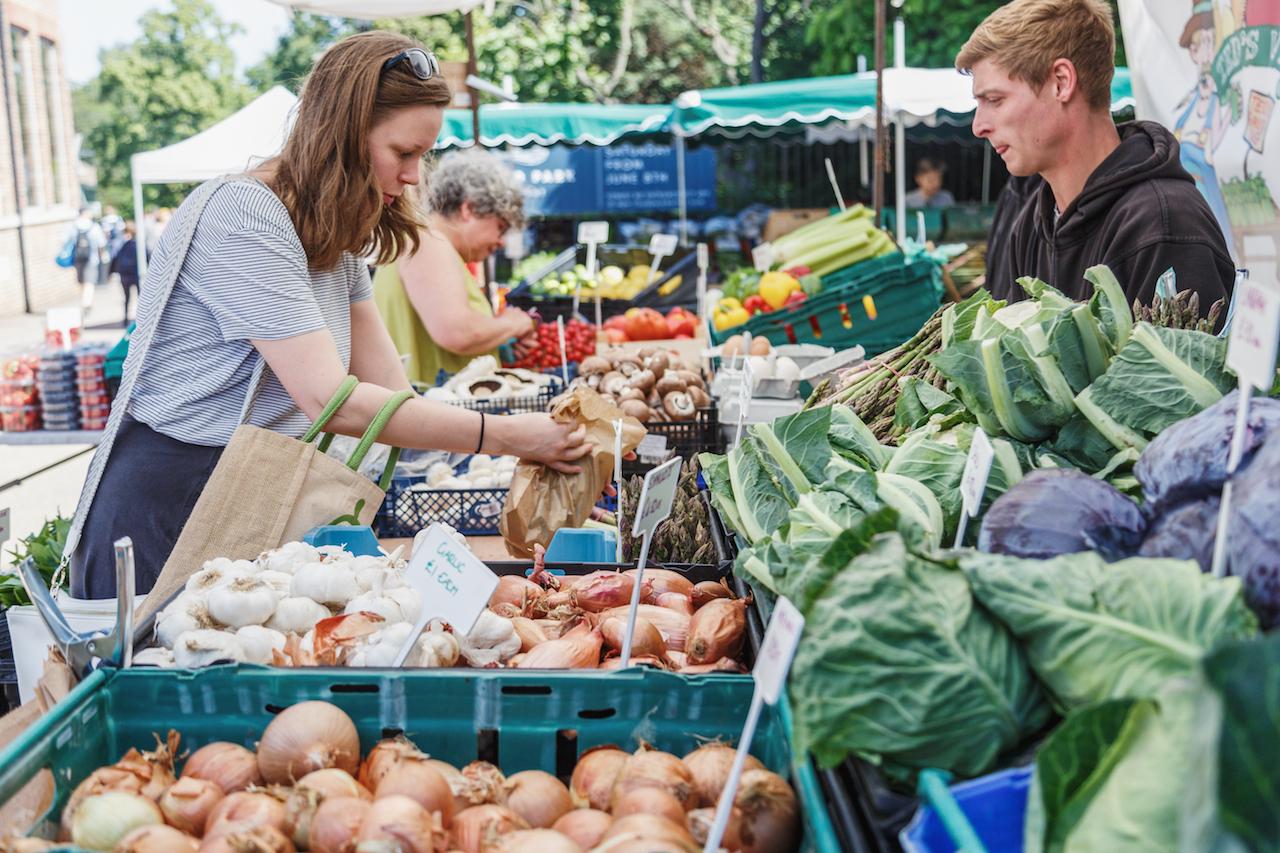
(31, 638)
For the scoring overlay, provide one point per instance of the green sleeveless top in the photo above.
(410, 336)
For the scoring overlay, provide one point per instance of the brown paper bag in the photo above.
(20, 814)
(542, 500)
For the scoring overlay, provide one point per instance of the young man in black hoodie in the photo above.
(1111, 195)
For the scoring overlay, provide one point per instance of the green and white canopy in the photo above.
(548, 124)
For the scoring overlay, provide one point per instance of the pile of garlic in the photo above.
(267, 610)
(482, 472)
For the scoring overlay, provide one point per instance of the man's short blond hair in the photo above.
(1026, 37)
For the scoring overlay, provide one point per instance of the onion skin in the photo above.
(770, 815)
(101, 781)
(636, 660)
(305, 737)
(709, 765)
(188, 803)
(663, 580)
(517, 591)
(473, 828)
(677, 601)
(261, 839)
(572, 651)
(651, 768)
(707, 591)
(243, 811)
(673, 626)
(701, 821)
(417, 780)
(312, 790)
(649, 801)
(101, 820)
(486, 781)
(336, 823)
(600, 591)
(722, 665)
(228, 765)
(536, 841)
(157, 839)
(382, 757)
(397, 824)
(651, 828)
(591, 785)
(538, 797)
(585, 826)
(717, 631)
(645, 640)
(529, 632)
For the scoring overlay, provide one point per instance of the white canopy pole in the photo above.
(139, 219)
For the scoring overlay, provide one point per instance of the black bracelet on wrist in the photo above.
(480, 443)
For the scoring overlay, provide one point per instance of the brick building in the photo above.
(48, 190)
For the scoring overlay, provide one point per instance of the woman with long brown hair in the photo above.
(270, 310)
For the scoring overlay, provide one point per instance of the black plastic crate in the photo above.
(8, 668)
(687, 439)
(406, 510)
(539, 402)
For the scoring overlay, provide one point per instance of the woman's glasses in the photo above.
(422, 63)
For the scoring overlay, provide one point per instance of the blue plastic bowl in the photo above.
(995, 805)
(358, 540)
(570, 545)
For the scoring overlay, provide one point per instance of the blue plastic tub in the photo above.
(996, 806)
(589, 545)
(356, 539)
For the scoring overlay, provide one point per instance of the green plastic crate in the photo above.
(519, 721)
(906, 294)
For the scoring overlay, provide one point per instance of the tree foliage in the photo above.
(175, 80)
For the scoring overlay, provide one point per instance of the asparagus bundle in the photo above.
(1180, 312)
(685, 537)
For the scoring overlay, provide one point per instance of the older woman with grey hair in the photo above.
(436, 311)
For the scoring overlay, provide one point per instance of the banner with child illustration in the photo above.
(1209, 70)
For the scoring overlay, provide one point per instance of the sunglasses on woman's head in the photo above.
(422, 63)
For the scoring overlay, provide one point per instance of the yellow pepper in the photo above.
(775, 287)
(727, 315)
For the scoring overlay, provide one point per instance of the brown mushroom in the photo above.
(691, 379)
(628, 365)
(636, 409)
(644, 380)
(592, 381)
(700, 398)
(613, 383)
(646, 353)
(631, 393)
(658, 363)
(482, 388)
(679, 405)
(654, 399)
(670, 383)
(594, 364)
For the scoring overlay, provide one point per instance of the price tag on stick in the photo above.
(770, 674)
(704, 261)
(617, 484)
(656, 497)
(591, 234)
(1251, 355)
(762, 257)
(660, 246)
(455, 586)
(564, 356)
(745, 392)
(973, 485)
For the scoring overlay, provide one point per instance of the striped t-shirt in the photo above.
(245, 277)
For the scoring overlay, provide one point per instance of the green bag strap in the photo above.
(335, 402)
(379, 423)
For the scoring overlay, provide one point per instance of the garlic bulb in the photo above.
(187, 612)
(492, 640)
(216, 573)
(436, 648)
(258, 642)
(402, 604)
(333, 552)
(205, 647)
(503, 479)
(328, 583)
(247, 601)
(437, 472)
(297, 615)
(288, 557)
(281, 582)
(155, 656)
(480, 462)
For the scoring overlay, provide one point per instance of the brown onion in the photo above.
(673, 626)
(651, 801)
(722, 665)
(585, 826)
(517, 591)
(717, 631)
(187, 804)
(245, 810)
(382, 757)
(538, 797)
(335, 824)
(486, 781)
(536, 841)
(575, 650)
(260, 839)
(463, 789)
(155, 769)
(397, 824)
(701, 821)
(591, 785)
(705, 591)
(305, 737)
(645, 640)
(651, 768)
(157, 839)
(664, 580)
(770, 814)
(615, 662)
(228, 765)
(677, 659)
(312, 790)
(419, 781)
(478, 826)
(677, 601)
(649, 827)
(709, 766)
(101, 781)
(600, 591)
(529, 633)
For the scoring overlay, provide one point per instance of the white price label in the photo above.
(778, 648)
(652, 446)
(747, 389)
(1251, 349)
(762, 256)
(656, 497)
(704, 259)
(4, 525)
(593, 232)
(455, 586)
(977, 468)
(663, 244)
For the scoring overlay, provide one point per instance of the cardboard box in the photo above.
(785, 221)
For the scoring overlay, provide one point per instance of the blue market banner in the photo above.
(619, 179)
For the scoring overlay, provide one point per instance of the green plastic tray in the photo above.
(515, 720)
